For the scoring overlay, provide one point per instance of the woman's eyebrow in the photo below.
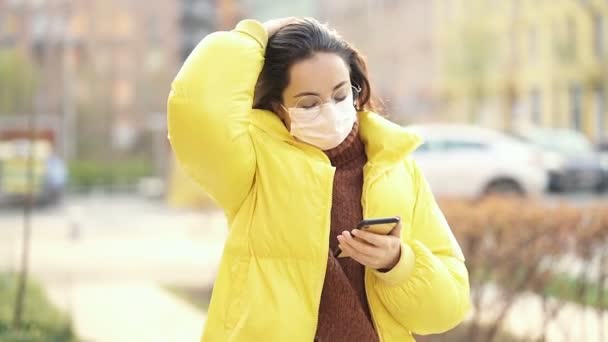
(317, 94)
(306, 94)
(340, 85)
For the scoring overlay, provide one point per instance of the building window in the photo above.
(10, 24)
(599, 101)
(556, 37)
(598, 35)
(451, 8)
(536, 106)
(514, 55)
(39, 26)
(571, 37)
(533, 44)
(154, 30)
(575, 107)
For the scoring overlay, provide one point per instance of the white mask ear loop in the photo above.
(286, 113)
(356, 92)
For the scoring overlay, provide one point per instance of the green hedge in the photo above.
(87, 174)
(41, 321)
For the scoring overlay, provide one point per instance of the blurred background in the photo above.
(103, 238)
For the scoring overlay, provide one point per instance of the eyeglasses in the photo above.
(312, 101)
(308, 107)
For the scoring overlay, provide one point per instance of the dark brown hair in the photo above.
(296, 41)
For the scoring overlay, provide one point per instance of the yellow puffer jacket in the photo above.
(277, 195)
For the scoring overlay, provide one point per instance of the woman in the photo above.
(276, 123)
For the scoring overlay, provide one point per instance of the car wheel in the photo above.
(504, 187)
(556, 185)
(602, 187)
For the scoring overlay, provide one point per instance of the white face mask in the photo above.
(324, 126)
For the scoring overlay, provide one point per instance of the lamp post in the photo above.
(69, 111)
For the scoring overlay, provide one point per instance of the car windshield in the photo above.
(563, 142)
(451, 145)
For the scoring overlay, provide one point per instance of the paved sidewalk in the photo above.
(128, 312)
(109, 273)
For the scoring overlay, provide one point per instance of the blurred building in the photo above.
(264, 10)
(396, 36)
(197, 18)
(502, 63)
(104, 67)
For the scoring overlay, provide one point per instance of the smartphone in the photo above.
(381, 226)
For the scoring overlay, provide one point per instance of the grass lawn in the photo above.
(41, 321)
(569, 288)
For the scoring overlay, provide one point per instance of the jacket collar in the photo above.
(385, 142)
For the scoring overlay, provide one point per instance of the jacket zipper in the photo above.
(371, 311)
(375, 175)
(322, 281)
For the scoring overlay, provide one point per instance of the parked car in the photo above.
(49, 173)
(602, 150)
(55, 180)
(470, 161)
(581, 168)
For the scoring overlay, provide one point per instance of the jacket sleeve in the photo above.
(428, 290)
(208, 112)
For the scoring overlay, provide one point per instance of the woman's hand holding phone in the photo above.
(377, 251)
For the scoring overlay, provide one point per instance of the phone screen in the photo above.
(382, 226)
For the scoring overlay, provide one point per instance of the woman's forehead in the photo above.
(319, 74)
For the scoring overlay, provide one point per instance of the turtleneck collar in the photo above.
(349, 150)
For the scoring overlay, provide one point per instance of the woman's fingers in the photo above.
(374, 239)
(359, 245)
(377, 254)
(369, 249)
(351, 252)
(364, 260)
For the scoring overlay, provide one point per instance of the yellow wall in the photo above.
(509, 63)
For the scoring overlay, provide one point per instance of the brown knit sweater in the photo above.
(344, 313)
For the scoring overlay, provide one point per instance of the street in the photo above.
(127, 237)
(132, 238)
(116, 237)
(577, 198)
